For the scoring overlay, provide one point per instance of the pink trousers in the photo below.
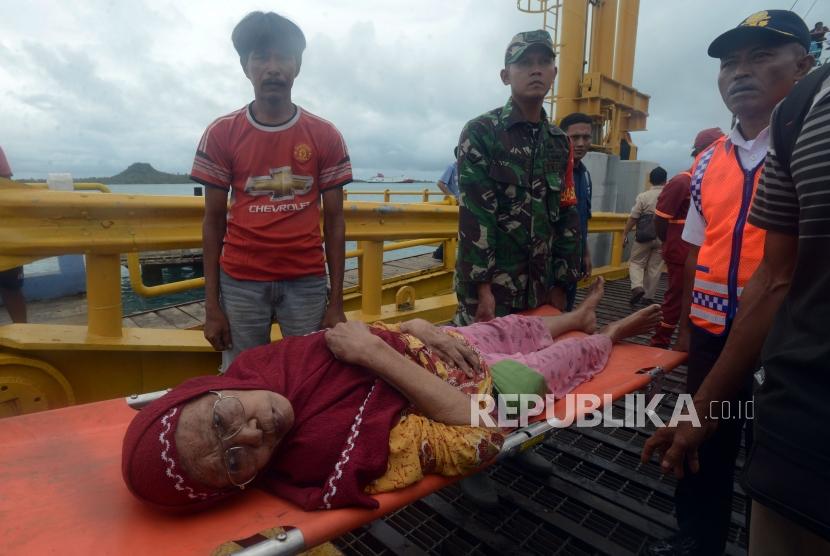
(565, 364)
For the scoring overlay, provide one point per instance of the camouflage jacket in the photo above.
(518, 224)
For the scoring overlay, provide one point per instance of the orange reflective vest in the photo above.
(722, 192)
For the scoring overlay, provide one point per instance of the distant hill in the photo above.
(142, 172)
(137, 172)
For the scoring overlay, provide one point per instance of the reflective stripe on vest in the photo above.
(732, 249)
(697, 176)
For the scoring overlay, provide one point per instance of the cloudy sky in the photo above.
(90, 86)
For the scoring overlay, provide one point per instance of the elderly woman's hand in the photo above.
(351, 341)
(450, 349)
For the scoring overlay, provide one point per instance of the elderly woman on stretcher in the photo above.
(326, 420)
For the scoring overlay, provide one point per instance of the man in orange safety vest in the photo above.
(760, 61)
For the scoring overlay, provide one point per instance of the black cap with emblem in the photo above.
(777, 26)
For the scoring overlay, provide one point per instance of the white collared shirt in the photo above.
(751, 153)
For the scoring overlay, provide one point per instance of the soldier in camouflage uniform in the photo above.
(518, 225)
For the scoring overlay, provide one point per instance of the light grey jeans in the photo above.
(297, 305)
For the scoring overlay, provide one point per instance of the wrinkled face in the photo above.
(531, 77)
(271, 72)
(212, 461)
(753, 79)
(580, 135)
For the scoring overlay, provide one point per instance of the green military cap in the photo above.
(524, 40)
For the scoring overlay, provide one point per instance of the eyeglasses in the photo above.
(228, 419)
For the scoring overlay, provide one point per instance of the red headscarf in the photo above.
(339, 443)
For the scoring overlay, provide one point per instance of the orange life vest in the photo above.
(722, 192)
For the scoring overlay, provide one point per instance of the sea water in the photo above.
(132, 302)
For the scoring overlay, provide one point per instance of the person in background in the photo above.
(818, 32)
(817, 35)
(578, 127)
(448, 184)
(11, 280)
(645, 264)
(760, 61)
(669, 218)
(518, 229)
(263, 254)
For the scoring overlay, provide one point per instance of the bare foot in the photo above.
(587, 310)
(641, 322)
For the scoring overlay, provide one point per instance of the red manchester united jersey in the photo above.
(275, 175)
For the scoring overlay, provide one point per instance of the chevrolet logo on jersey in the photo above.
(281, 184)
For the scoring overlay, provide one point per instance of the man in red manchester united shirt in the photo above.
(263, 252)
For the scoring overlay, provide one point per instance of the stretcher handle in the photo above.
(657, 375)
(138, 401)
(287, 543)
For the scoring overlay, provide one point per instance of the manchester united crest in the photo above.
(302, 153)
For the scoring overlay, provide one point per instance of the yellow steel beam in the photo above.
(603, 29)
(598, 86)
(571, 57)
(626, 41)
(75, 337)
(398, 221)
(47, 223)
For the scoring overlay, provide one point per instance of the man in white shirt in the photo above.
(645, 264)
(760, 62)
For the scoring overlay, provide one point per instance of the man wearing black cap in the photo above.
(760, 61)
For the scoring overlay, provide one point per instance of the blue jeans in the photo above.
(297, 305)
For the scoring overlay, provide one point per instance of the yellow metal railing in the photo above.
(425, 195)
(77, 186)
(37, 224)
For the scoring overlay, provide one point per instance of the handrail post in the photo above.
(387, 195)
(103, 294)
(426, 195)
(371, 276)
(617, 249)
(450, 250)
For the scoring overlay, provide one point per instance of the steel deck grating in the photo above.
(601, 500)
(432, 532)
(360, 542)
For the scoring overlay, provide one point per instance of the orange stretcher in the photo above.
(61, 489)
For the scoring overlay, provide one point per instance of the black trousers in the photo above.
(703, 500)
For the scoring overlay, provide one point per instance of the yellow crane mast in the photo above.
(595, 76)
